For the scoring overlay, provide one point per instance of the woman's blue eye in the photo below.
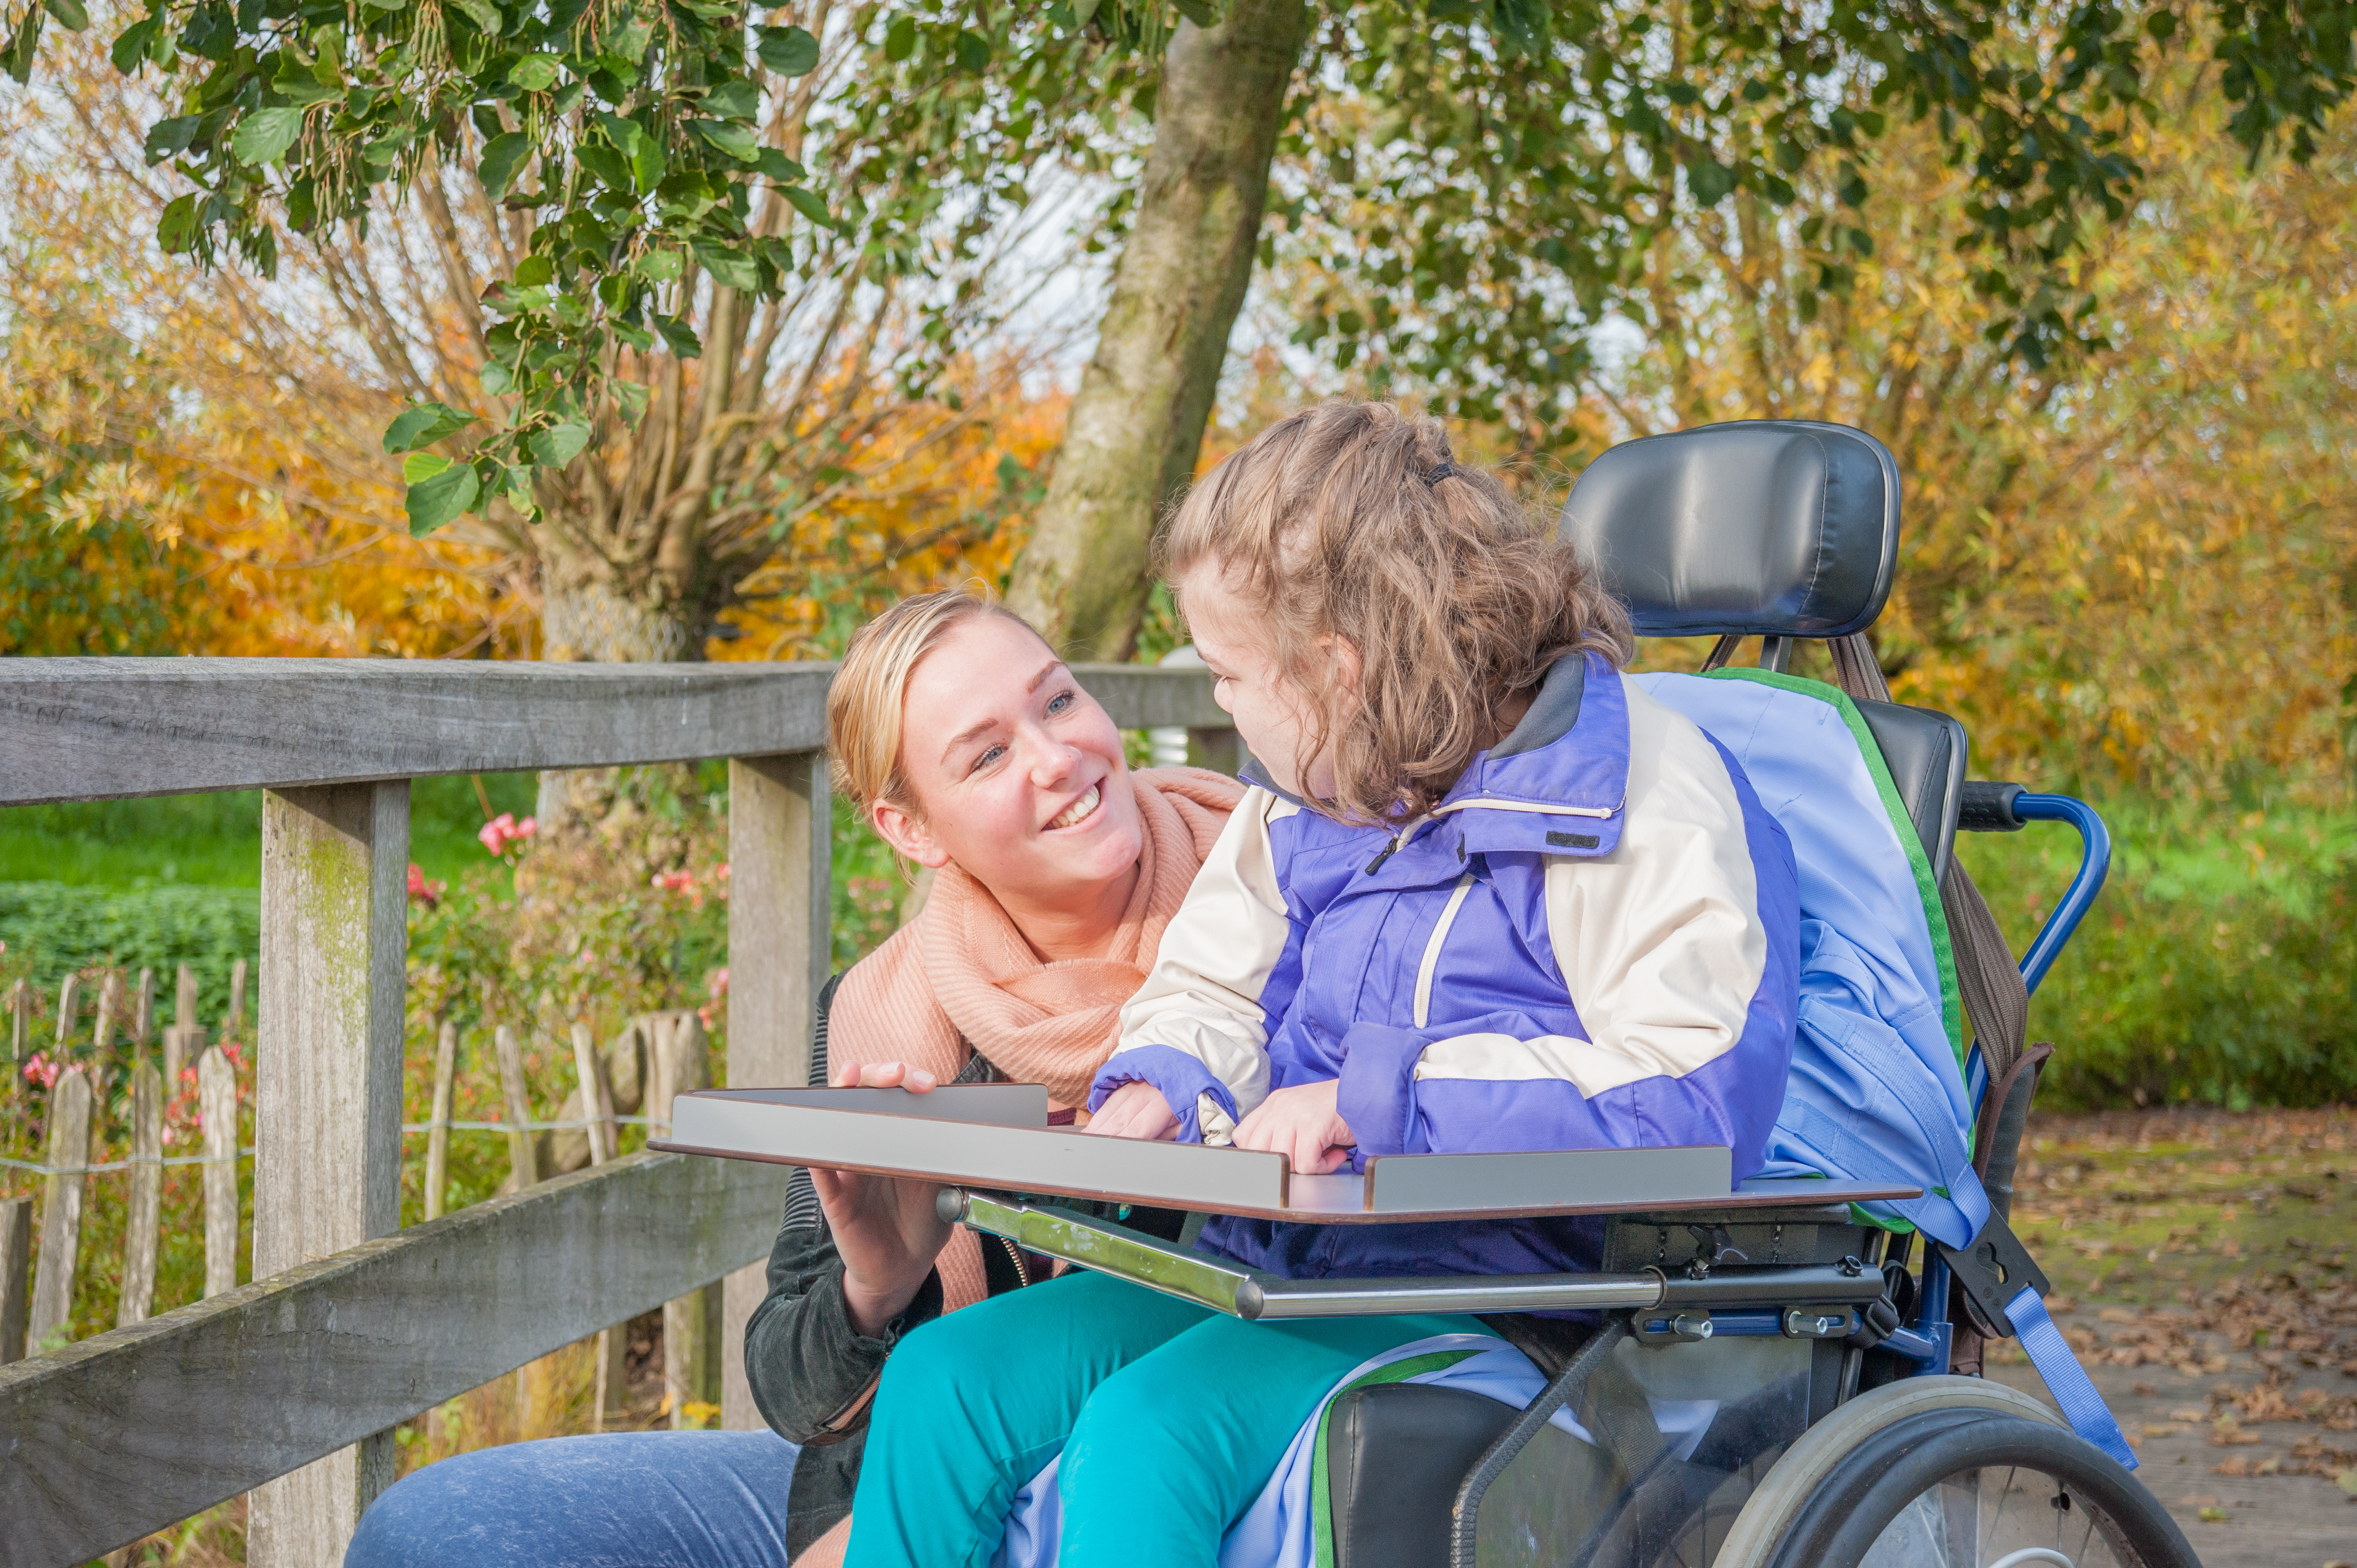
(1059, 703)
(987, 757)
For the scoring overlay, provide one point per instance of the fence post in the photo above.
(327, 1172)
(184, 1037)
(20, 1020)
(217, 1103)
(69, 1158)
(524, 1163)
(683, 1056)
(781, 901)
(145, 1211)
(16, 1276)
(437, 1127)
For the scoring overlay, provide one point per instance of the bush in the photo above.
(2219, 967)
(59, 928)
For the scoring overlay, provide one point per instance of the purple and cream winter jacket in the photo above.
(1591, 942)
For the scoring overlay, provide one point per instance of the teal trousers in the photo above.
(1171, 1419)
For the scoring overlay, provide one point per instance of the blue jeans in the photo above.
(621, 1499)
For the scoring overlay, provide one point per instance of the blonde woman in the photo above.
(974, 752)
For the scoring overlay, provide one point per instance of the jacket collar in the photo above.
(1558, 783)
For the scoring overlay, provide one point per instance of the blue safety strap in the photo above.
(2089, 1416)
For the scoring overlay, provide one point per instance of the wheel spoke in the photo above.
(2004, 1495)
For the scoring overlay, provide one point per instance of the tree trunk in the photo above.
(1131, 440)
(584, 618)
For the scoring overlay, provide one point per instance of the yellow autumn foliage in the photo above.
(2138, 570)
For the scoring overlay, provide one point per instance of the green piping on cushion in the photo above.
(1935, 914)
(1321, 1503)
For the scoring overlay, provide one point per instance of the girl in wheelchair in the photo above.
(1484, 894)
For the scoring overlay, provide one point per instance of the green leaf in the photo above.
(131, 47)
(680, 335)
(735, 98)
(778, 167)
(484, 15)
(972, 53)
(425, 424)
(263, 136)
(738, 140)
(788, 52)
(176, 229)
(1710, 181)
(437, 495)
(660, 265)
(69, 13)
(169, 138)
(632, 397)
(533, 73)
(807, 203)
(900, 40)
(302, 93)
(559, 444)
(17, 61)
(420, 466)
(533, 271)
(612, 169)
(502, 156)
(734, 269)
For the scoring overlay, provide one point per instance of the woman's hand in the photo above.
(1301, 1124)
(884, 1227)
(1135, 1109)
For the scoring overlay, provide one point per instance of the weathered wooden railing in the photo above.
(290, 1387)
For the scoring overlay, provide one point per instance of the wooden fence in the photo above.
(288, 1387)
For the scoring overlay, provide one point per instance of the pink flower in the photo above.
(504, 830)
(425, 892)
(718, 984)
(672, 881)
(42, 1070)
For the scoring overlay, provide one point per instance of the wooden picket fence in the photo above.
(37, 1289)
(288, 1388)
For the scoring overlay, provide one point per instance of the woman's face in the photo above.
(1016, 773)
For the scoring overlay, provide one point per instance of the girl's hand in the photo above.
(884, 1227)
(1301, 1124)
(1135, 1109)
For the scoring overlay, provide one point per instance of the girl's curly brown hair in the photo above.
(1349, 521)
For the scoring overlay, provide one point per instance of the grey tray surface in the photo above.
(993, 1136)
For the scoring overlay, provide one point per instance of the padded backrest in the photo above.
(1925, 751)
(1767, 527)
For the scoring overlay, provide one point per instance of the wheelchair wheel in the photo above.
(1965, 1489)
(1780, 1501)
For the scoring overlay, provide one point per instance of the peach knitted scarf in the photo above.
(960, 978)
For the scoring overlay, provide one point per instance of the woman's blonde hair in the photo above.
(866, 700)
(1351, 522)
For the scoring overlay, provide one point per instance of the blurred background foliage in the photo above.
(2132, 572)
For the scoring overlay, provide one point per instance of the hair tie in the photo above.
(1439, 472)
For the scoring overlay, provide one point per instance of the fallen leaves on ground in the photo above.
(2211, 1243)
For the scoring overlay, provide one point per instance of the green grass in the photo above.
(215, 841)
(2219, 967)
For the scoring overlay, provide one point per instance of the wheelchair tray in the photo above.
(997, 1137)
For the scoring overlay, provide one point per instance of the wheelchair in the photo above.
(1840, 1435)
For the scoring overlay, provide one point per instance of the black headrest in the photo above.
(1773, 527)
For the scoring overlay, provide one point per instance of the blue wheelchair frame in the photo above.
(1926, 1341)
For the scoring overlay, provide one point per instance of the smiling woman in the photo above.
(965, 741)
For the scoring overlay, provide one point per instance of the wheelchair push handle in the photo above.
(1990, 808)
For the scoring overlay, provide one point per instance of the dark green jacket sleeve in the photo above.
(813, 1375)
